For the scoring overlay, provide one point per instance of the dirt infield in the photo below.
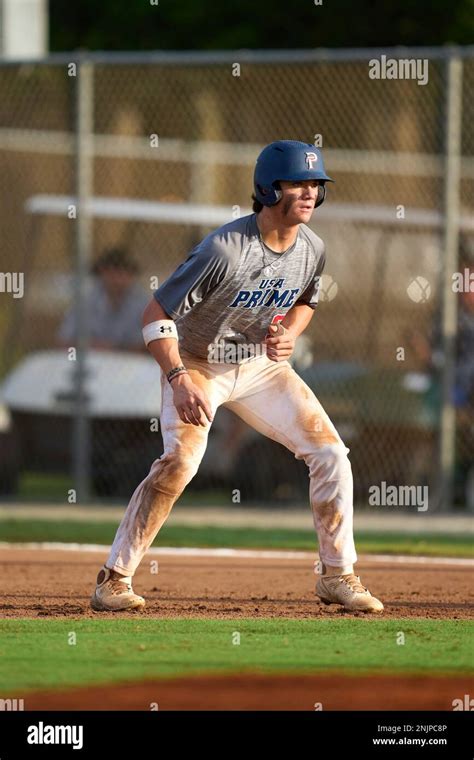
(59, 583)
(260, 692)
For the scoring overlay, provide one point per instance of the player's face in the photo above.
(298, 200)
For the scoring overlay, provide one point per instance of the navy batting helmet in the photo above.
(288, 160)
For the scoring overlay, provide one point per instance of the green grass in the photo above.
(258, 538)
(40, 485)
(51, 487)
(37, 653)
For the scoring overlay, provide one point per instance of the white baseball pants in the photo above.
(271, 397)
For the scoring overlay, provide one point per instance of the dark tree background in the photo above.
(235, 24)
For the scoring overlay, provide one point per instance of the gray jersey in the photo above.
(232, 284)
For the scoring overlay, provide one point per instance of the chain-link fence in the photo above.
(143, 155)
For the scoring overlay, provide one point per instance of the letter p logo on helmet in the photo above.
(311, 159)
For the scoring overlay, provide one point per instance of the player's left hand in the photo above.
(280, 343)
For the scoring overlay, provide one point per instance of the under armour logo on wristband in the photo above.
(161, 328)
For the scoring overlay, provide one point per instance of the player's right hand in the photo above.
(191, 402)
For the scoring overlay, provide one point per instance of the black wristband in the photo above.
(176, 371)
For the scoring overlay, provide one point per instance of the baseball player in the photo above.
(222, 328)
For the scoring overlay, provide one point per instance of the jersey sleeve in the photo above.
(310, 296)
(204, 269)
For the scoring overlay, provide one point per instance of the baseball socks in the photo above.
(330, 570)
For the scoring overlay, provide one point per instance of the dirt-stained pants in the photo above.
(273, 399)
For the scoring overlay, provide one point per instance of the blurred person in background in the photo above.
(429, 351)
(114, 306)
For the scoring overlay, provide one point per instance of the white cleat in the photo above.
(114, 593)
(348, 591)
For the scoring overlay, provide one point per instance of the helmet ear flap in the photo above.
(278, 192)
(321, 195)
(269, 196)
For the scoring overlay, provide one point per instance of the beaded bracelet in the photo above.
(175, 372)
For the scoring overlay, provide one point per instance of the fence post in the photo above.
(450, 244)
(84, 185)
